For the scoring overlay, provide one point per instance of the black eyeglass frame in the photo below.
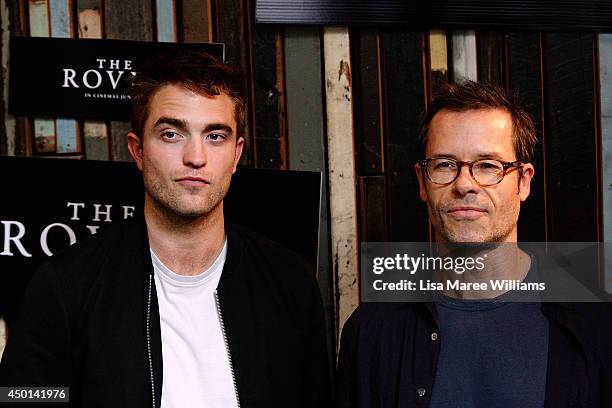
(506, 165)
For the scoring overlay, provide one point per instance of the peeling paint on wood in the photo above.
(605, 81)
(464, 56)
(341, 167)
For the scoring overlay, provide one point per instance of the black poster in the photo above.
(48, 204)
(77, 78)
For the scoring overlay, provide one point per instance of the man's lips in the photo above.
(191, 181)
(466, 212)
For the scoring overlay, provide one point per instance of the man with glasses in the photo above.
(474, 348)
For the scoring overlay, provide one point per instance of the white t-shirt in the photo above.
(196, 365)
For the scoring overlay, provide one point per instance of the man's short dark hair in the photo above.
(470, 95)
(197, 71)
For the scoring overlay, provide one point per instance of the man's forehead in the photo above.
(475, 132)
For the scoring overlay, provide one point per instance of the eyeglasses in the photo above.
(487, 172)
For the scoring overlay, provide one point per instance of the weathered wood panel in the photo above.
(126, 21)
(95, 133)
(572, 137)
(438, 60)
(404, 92)
(525, 67)
(233, 30)
(491, 57)
(197, 21)
(373, 211)
(166, 20)
(306, 140)
(368, 108)
(44, 128)
(268, 103)
(605, 82)
(341, 165)
(463, 56)
(67, 133)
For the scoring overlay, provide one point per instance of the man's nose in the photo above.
(465, 183)
(195, 154)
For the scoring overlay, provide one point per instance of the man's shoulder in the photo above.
(112, 242)
(255, 247)
(375, 317)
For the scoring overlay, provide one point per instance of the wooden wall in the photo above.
(346, 102)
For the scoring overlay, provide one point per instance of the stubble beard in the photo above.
(476, 233)
(170, 203)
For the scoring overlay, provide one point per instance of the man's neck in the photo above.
(504, 262)
(187, 246)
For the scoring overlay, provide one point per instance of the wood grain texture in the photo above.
(491, 57)
(233, 31)
(44, 128)
(524, 74)
(126, 21)
(95, 133)
(438, 60)
(269, 133)
(341, 165)
(368, 103)
(166, 20)
(306, 141)
(197, 21)
(373, 211)
(463, 56)
(605, 81)
(404, 89)
(67, 132)
(572, 137)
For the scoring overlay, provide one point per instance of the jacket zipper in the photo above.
(149, 340)
(229, 356)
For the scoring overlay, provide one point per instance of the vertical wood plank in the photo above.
(373, 214)
(343, 212)
(197, 21)
(524, 75)
(232, 29)
(60, 15)
(438, 60)
(19, 139)
(605, 82)
(267, 79)
(572, 136)
(95, 133)
(404, 62)
(126, 21)
(368, 109)
(491, 57)
(166, 21)
(44, 128)
(463, 56)
(7, 130)
(306, 140)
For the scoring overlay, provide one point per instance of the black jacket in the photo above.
(388, 355)
(90, 320)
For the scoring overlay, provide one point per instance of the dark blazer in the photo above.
(90, 321)
(388, 355)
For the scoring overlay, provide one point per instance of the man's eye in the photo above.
(216, 137)
(170, 135)
(445, 164)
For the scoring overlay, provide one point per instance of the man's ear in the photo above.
(421, 177)
(238, 153)
(525, 181)
(135, 148)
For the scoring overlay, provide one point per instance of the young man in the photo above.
(178, 308)
(477, 145)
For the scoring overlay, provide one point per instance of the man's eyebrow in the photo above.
(218, 126)
(165, 120)
(483, 155)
